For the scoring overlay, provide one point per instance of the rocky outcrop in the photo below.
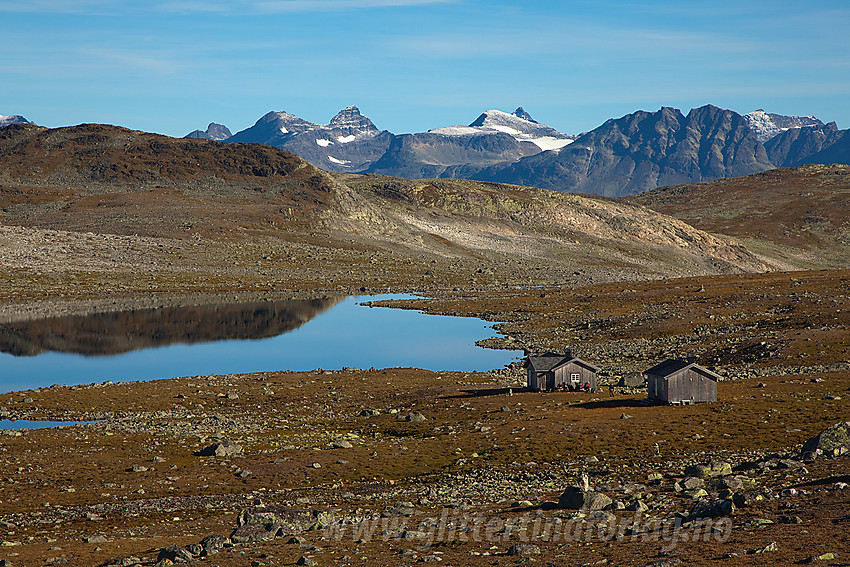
(832, 441)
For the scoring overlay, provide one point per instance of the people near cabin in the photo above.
(610, 390)
(586, 387)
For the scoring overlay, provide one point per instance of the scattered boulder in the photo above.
(711, 508)
(692, 483)
(772, 546)
(291, 521)
(341, 444)
(369, 412)
(666, 562)
(576, 498)
(213, 544)
(175, 554)
(223, 449)
(414, 417)
(637, 506)
(253, 533)
(829, 556)
(712, 469)
(524, 550)
(832, 441)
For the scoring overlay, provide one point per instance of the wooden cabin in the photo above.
(681, 382)
(552, 371)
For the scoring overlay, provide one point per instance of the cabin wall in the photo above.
(689, 386)
(564, 373)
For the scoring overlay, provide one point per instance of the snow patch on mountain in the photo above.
(520, 125)
(345, 139)
(324, 143)
(767, 125)
(344, 162)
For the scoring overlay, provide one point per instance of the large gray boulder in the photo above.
(223, 449)
(711, 508)
(577, 498)
(832, 441)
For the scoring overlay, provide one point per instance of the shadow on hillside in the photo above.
(612, 403)
(483, 392)
(845, 478)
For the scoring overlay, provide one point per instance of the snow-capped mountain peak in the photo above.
(13, 119)
(520, 125)
(767, 125)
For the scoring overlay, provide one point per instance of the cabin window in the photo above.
(575, 377)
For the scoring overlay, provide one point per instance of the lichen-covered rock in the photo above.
(253, 533)
(712, 469)
(832, 441)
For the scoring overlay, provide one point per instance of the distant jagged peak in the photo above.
(521, 113)
(766, 125)
(13, 119)
(351, 118)
(215, 131)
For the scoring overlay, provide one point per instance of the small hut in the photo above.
(552, 371)
(681, 382)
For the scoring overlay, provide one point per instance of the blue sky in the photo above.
(411, 65)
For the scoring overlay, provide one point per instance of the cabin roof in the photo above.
(673, 366)
(551, 360)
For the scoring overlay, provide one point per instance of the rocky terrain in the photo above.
(399, 466)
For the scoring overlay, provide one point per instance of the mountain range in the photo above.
(624, 156)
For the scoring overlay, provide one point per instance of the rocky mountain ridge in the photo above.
(635, 153)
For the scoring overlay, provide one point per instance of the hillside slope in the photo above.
(256, 214)
(804, 211)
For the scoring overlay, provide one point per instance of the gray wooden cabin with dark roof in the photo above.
(553, 371)
(681, 382)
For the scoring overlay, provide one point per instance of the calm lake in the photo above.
(149, 344)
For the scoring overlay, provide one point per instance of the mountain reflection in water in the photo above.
(198, 341)
(125, 331)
